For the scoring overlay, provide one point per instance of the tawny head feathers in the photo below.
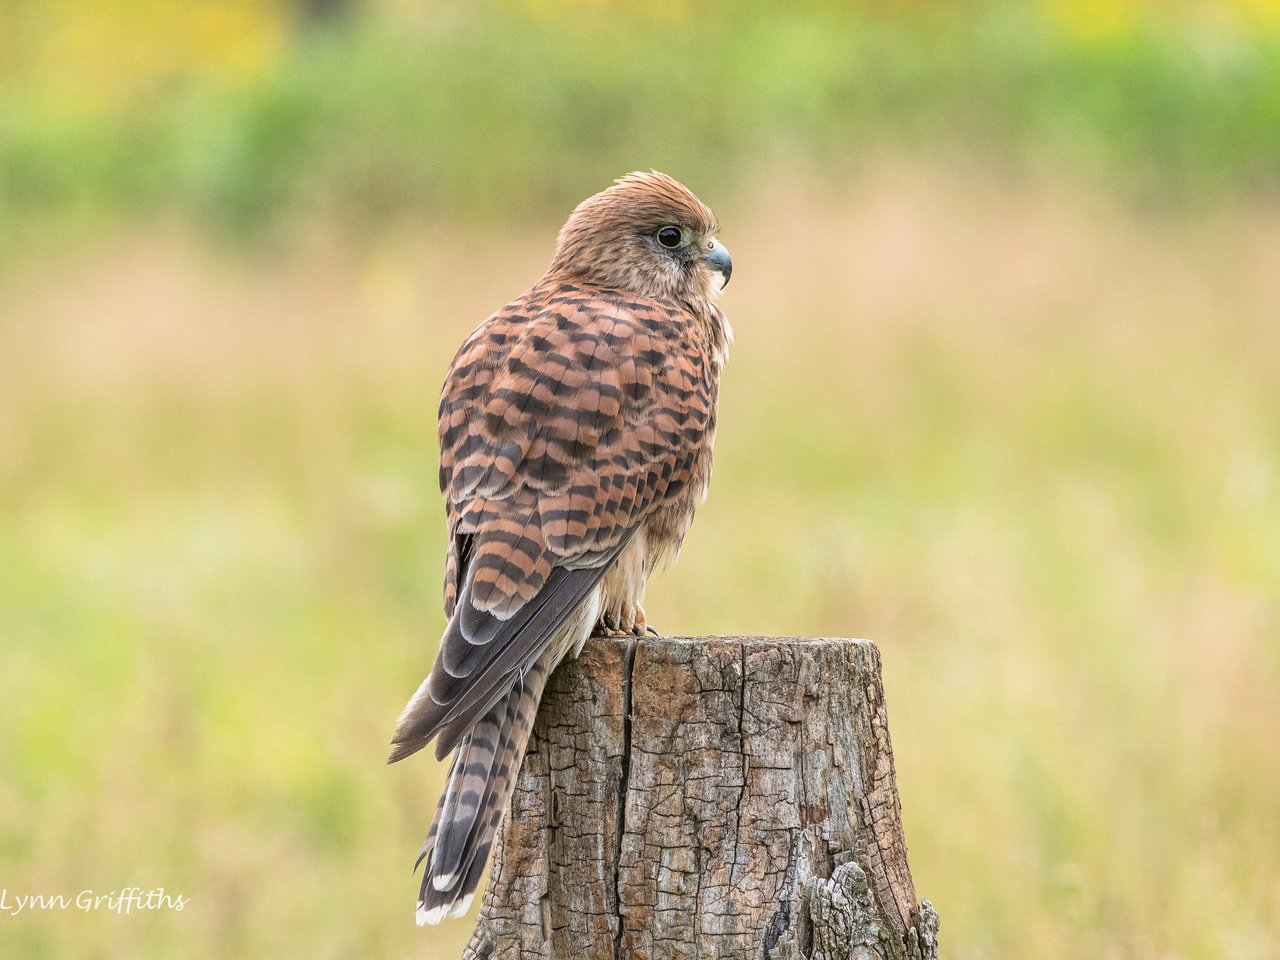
(647, 234)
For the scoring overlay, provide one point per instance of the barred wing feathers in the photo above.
(566, 418)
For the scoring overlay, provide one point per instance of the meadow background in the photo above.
(1005, 398)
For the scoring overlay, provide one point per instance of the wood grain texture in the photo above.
(706, 798)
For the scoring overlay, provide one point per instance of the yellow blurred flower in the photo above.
(1101, 19)
(96, 54)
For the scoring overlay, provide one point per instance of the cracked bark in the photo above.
(707, 798)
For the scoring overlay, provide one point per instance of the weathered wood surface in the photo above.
(707, 798)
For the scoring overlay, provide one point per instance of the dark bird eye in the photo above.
(670, 237)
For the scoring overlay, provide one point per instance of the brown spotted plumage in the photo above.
(576, 427)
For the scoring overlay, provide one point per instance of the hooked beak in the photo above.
(717, 257)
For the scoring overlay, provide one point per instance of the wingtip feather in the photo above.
(444, 881)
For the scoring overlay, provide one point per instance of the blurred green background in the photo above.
(1005, 398)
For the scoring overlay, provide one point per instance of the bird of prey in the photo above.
(576, 427)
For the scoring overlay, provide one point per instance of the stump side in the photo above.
(707, 798)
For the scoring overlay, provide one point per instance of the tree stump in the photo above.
(707, 798)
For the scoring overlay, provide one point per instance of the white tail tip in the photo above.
(459, 909)
(432, 916)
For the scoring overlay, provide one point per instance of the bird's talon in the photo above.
(609, 627)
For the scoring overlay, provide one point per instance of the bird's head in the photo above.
(647, 234)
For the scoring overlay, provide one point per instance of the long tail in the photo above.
(480, 784)
(480, 701)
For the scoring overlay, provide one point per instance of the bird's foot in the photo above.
(610, 625)
(628, 622)
(641, 627)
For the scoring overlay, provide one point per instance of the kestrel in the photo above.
(576, 427)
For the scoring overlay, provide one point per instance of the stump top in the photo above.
(753, 642)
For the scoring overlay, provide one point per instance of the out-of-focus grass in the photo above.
(1025, 440)
(470, 108)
